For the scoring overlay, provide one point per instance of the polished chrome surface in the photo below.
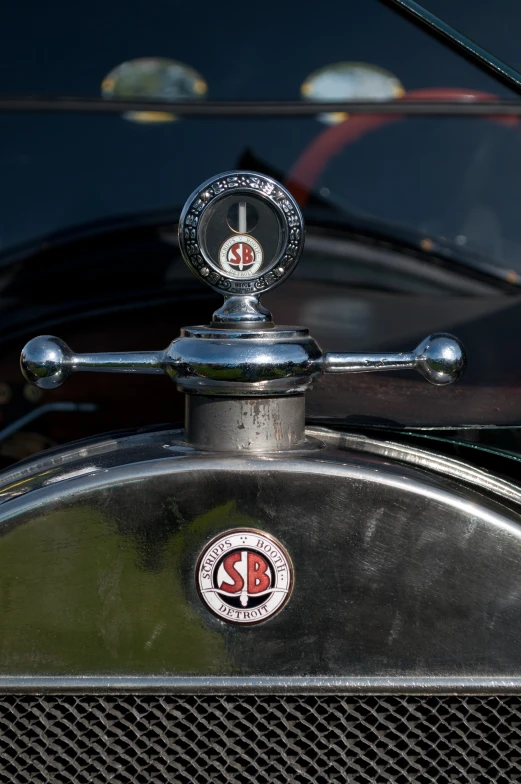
(241, 354)
(206, 267)
(203, 360)
(249, 363)
(263, 424)
(160, 684)
(440, 359)
(246, 309)
(422, 458)
(252, 363)
(47, 362)
(403, 575)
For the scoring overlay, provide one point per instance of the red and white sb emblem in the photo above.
(241, 256)
(244, 576)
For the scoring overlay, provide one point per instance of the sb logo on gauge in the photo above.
(241, 256)
(241, 233)
(244, 576)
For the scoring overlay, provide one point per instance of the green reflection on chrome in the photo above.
(75, 600)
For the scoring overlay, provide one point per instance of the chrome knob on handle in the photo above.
(440, 358)
(47, 362)
(260, 363)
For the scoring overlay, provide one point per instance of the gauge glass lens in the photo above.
(242, 217)
(241, 235)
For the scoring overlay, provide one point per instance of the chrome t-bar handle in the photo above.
(242, 233)
(263, 363)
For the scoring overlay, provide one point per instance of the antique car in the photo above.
(286, 547)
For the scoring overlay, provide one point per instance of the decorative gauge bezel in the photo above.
(262, 187)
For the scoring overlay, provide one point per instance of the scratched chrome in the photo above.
(425, 458)
(401, 571)
(233, 362)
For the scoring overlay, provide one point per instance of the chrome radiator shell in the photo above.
(111, 668)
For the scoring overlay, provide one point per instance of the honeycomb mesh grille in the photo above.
(266, 738)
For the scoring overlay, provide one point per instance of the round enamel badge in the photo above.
(244, 576)
(241, 256)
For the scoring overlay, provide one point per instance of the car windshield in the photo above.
(449, 178)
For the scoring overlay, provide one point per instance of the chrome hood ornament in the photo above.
(242, 233)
